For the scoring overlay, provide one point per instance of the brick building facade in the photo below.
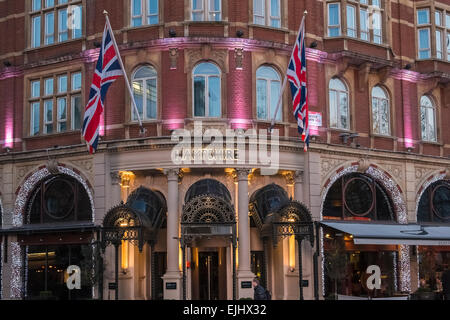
(378, 78)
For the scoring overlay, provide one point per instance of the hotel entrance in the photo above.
(209, 274)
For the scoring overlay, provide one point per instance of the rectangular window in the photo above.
(36, 31)
(259, 12)
(351, 21)
(76, 81)
(63, 30)
(377, 36)
(267, 12)
(275, 13)
(60, 103)
(214, 98)
(62, 84)
(62, 114)
(48, 87)
(52, 21)
(48, 116)
(438, 44)
(376, 3)
(261, 99)
(76, 22)
(136, 13)
(76, 112)
(49, 3)
(153, 11)
(438, 18)
(424, 43)
(197, 10)
(334, 20)
(214, 10)
(447, 21)
(199, 96)
(49, 28)
(448, 45)
(35, 89)
(423, 16)
(34, 126)
(363, 18)
(36, 5)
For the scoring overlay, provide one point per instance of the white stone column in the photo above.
(244, 273)
(116, 190)
(298, 185)
(173, 274)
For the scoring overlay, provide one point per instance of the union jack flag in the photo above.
(108, 69)
(296, 75)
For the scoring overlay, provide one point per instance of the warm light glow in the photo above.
(124, 255)
(125, 178)
(180, 258)
(292, 253)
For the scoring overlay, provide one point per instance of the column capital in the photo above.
(242, 174)
(298, 176)
(115, 177)
(173, 174)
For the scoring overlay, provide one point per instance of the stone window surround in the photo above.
(27, 99)
(28, 21)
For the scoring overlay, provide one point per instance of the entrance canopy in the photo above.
(393, 234)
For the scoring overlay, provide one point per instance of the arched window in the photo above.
(358, 196)
(59, 198)
(267, 93)
(381, 117)
(339, 109)
(206, 90)
(145, 93)
(428, 119)
(434, 205)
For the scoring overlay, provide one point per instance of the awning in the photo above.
(388, 234)
(50, 228)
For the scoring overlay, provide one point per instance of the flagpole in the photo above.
(272, 124)
(124, 72)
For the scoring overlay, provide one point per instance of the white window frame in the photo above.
(145, 14)
(269, 81)
(334, 26)
(206, 11)
(337, 102)
(379, 111)
(144, 104)
(45, 121)
(431, 108)
(355, 29)
(206, 77)
(42, 97)
(74, 13)
(72, 111)
(428, 49)
(60, 120)
(34, 132)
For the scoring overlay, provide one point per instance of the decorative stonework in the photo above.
(30, 183)
(238, 57)
(328, 164)
(421, 173)
(22, 171)
(193, 56)
(173, 55)
(242, 174)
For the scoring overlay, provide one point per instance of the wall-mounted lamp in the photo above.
(172, 33)
(6, 63)
(239, 33)
(408, 66)
(313, 45)
(97, 44)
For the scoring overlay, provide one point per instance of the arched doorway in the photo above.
(136, 222)
(277, 216)
(208, 229)
(434, 209)
(357, 199)
(58, 232)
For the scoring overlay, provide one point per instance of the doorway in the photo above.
(209, 276)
